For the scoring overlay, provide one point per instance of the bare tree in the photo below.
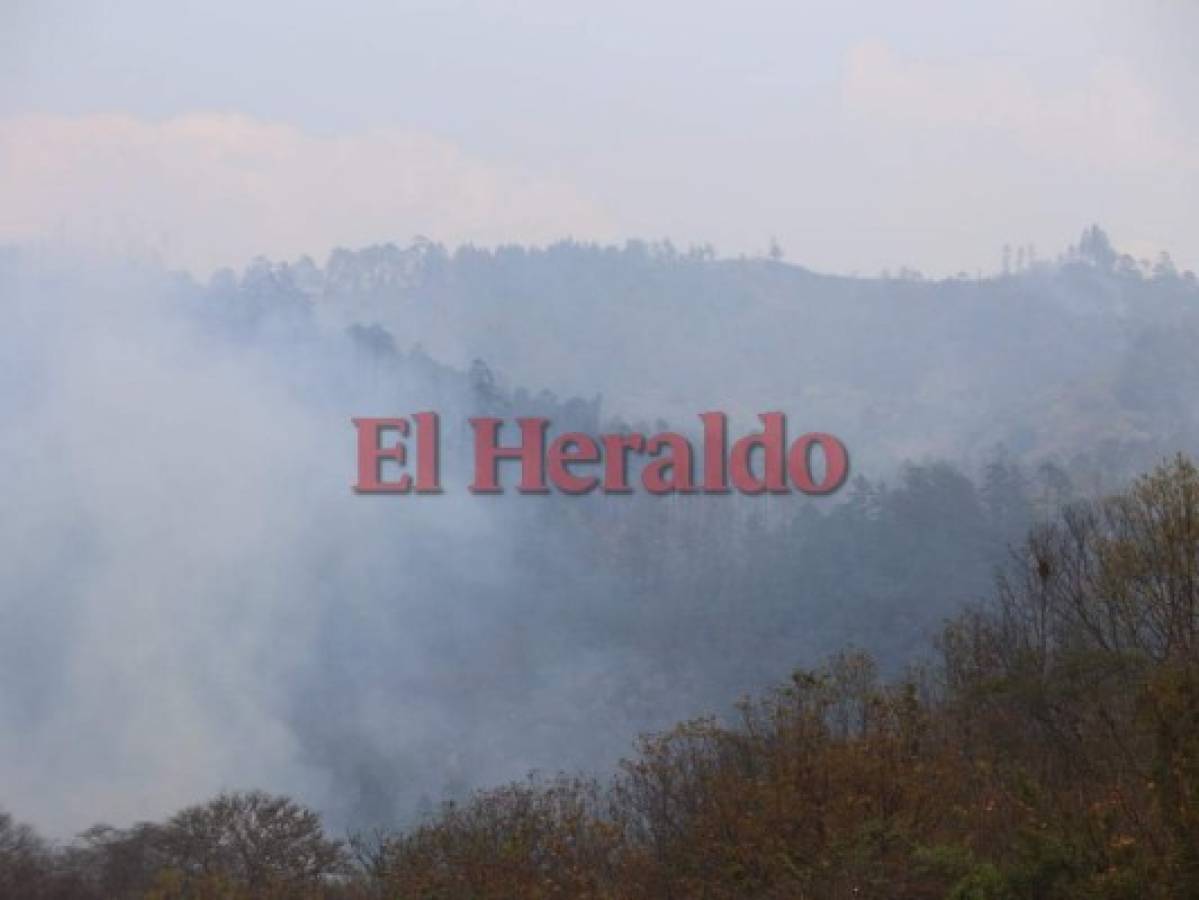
(253, 838)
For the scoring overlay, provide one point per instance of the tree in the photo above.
(23, 859)
(484, 386)
(1085, 671)
(1095, 247)
(254, 839)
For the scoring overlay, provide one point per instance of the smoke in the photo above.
(184, 561)
(192, 599)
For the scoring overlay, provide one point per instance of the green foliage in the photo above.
(983, 882)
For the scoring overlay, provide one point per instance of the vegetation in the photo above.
(413, 653)
(1051, 750)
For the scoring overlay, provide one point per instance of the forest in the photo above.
(353, 683)
(1047, 746)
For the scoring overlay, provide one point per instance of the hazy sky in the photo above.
(862, 136)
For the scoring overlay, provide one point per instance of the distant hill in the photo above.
(1080, 359)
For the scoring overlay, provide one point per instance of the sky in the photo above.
(861, 136)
